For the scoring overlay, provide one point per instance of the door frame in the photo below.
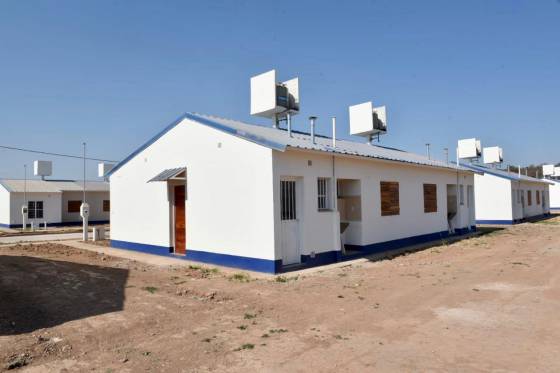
(298, 180)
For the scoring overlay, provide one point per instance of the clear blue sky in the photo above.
(113, 73)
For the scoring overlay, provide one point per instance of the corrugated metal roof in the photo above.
(504, 174)
(52, 186)
(280, 140)
(168, 174)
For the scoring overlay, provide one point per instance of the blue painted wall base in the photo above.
(275, 266)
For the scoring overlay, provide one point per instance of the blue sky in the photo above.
(113, 73)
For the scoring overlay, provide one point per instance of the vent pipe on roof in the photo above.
(519, 171)
(312, 123)
(289, 124)
(334, 132)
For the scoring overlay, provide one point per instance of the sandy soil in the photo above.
(485, 304)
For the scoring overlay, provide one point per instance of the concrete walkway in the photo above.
(40, 238)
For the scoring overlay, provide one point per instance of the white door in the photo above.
(289, 224)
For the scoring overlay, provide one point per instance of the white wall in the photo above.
(317, 234)
(493, 197)
(229, 206)
(4, 206)
(535, 209)
(554, 198)
(95, 201)
(51, 207)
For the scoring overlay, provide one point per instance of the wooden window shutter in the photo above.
(529, 198)
(390, 204)
(74, 206)
(430, 198)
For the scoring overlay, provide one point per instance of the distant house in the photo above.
(506, 198)
(555, 196)
(55, 202)
(225, 192)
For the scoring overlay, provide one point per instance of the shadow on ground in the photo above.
(40, 293)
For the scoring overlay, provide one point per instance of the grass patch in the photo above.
(150, 289)
(249, 316)
(272, 331)
(245, 346)
(240, 277)
(242, 327)
(284, 279)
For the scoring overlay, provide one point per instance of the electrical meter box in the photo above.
(84, 210)
(24, 210)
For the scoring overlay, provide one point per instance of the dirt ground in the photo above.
(489, 303)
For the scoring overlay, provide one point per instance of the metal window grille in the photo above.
(35, 209)
(323, 193)
(288, 200)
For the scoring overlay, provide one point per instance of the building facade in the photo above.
(56, 203)
(225, 192)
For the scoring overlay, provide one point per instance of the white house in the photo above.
(225, 192)
(56, 202)
(503, 197)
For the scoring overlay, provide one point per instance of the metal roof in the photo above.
(513, 176)
(279, 139)
(168, 174)
(52, 186)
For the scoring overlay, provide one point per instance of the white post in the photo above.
(519, 171)
(289, 123)
(24, 207)
(334, 132)
(84, 208)
(45, 225)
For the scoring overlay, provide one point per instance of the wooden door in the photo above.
(180, 226)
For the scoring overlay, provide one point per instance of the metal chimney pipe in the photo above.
(289, 123)
(312, 123)
(334, 132)
(428, 150)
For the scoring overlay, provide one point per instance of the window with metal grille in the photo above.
(390, 203)
(430, 198)
(35, 209)
(538, 197)
(106, 205)
(323, 189)
(288, 200)
(74, 206)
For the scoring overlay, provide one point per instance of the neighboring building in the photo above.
(554, 195)
(504, 197)
(225, 192)
(56, 202)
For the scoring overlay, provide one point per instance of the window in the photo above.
(390, 198)
(35, 209)
(74, 206)
(288, 200)
(470, 195)
(529, 198)
(462, 194)
(106, 205)
(430, 198)
(538, 197)
(518, 196)
(323, 189)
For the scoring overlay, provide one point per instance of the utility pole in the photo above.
(84, 208)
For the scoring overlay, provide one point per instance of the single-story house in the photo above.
(54, 202)
(230, 193)
(505, 198)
